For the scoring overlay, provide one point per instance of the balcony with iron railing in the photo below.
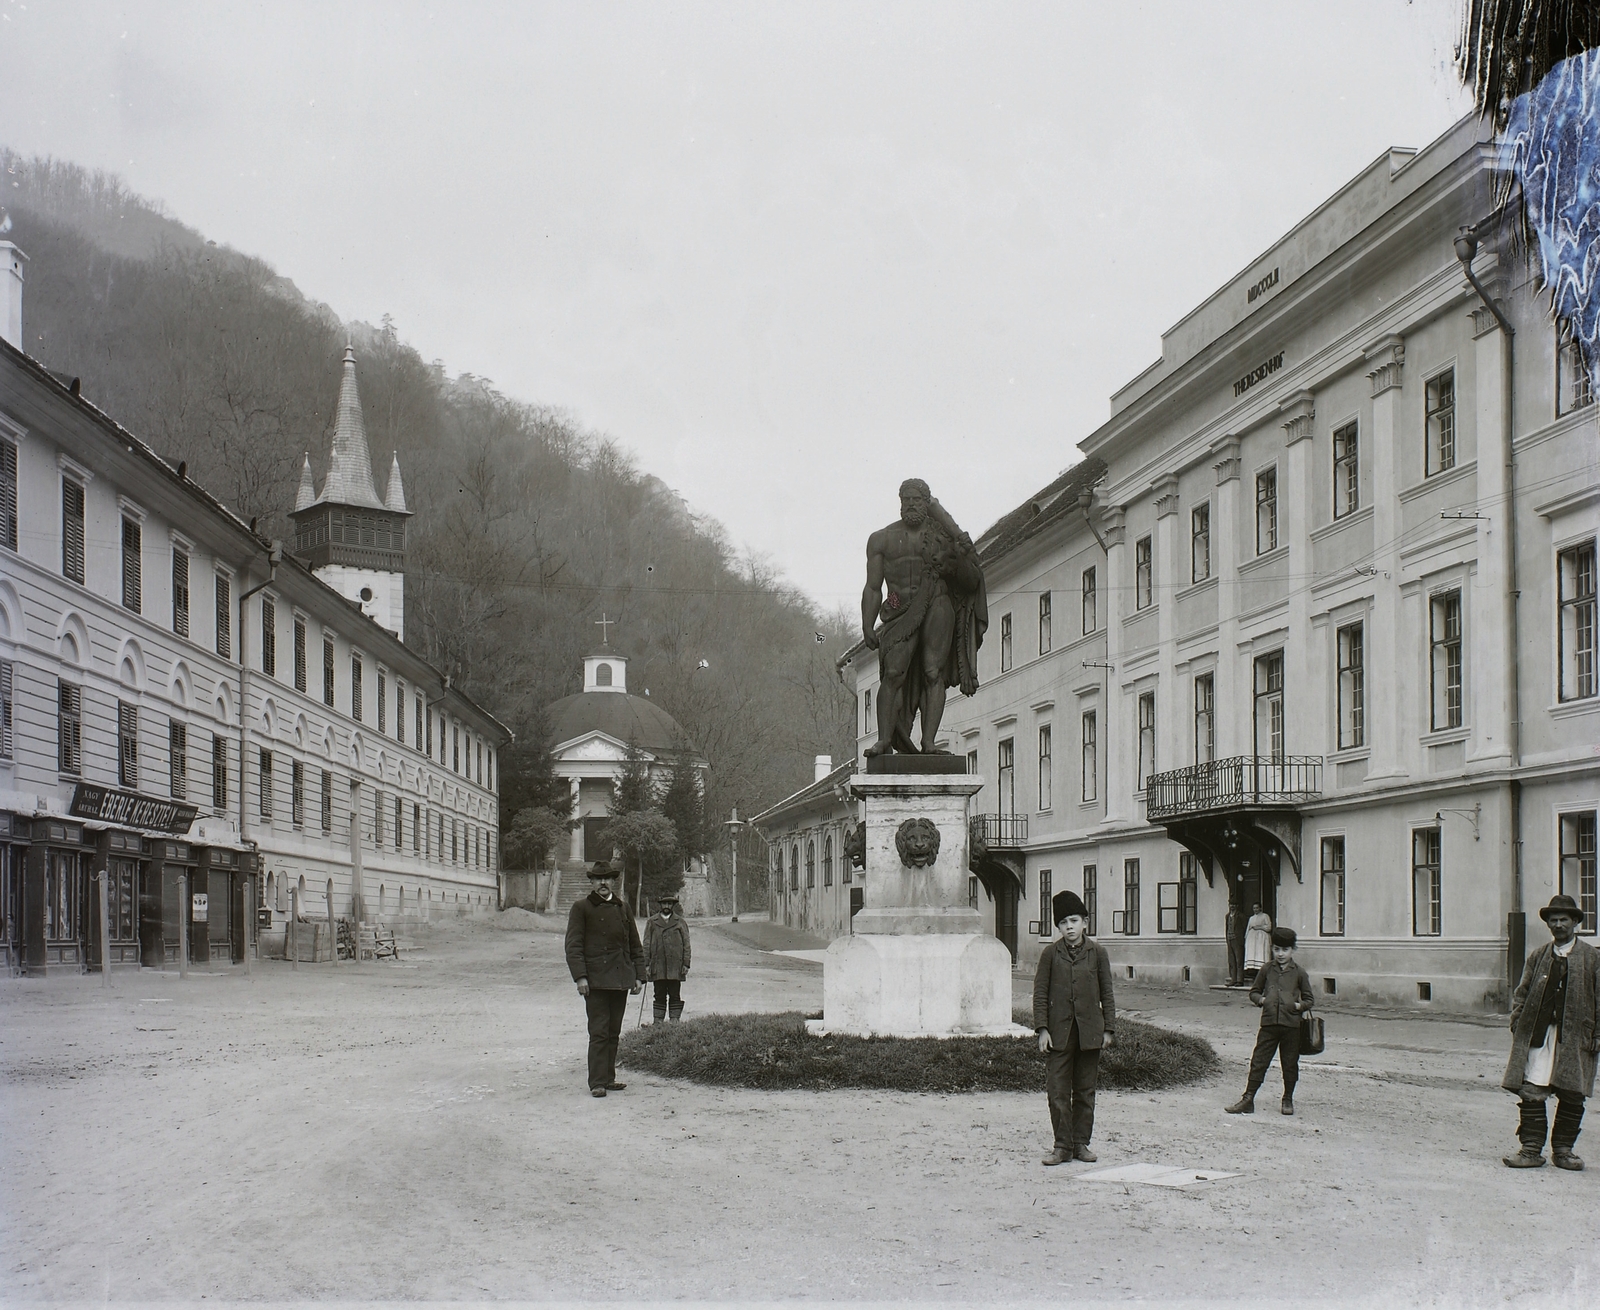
(998, 832)
(1242, 782)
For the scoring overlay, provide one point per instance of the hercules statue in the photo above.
(933, 618)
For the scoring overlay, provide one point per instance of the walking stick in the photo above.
(640, 1024)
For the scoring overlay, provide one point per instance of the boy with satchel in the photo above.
(1283, 991)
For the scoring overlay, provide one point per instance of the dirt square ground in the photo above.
(422, 1131)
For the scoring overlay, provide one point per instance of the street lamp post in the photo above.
(733, 824)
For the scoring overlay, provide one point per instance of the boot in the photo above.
(1531, 1128)
(1564, 1134)
(1288, 1100)
(1246, 1104)
(658, 1009)
(1060, 1155)
(675, 1010)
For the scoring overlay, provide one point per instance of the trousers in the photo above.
(1284, 1040)
(1235, 958)
(1534, 1122)
(606, 1006)
(669, 991)
(1070, 1077)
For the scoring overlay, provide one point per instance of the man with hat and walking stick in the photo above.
(666, 957)
(607, 962)
(1554, 1039)
(1074, 1014)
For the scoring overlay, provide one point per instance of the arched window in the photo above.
(602, 675)
(794, 868)
(827, 860)
(811, 864)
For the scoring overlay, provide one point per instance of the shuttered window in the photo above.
(327, 671)
(299, 654)
(178, 760)
(127, 745)
(355, 688)
(219, 772)
(180, 593)
(6, 746)
(8, 495)
(269, 638)
(132, 566)
(72, 530)
(224, 618)
(69, 728)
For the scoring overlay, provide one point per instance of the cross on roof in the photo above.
(604, 624)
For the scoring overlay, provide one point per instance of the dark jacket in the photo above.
(1575, 1051)
(603, 944)
(666, 948)
(1068, 991)
(1284, 993)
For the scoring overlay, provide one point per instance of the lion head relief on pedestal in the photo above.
(917, 840)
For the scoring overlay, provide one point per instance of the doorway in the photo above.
(1005, 913)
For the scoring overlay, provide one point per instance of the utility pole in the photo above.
(733, 823)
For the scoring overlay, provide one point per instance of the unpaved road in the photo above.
(422, 1131)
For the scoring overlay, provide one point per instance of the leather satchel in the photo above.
(1311, 1034)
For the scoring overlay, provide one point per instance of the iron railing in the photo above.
(1232, 783)
(998, 831)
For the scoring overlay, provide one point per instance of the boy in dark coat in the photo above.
(666, 957)
(1075, 1015)
(1554, 1039)
(1283, 992)
(607, 963)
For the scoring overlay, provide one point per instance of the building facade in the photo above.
(814, 883)
(1313, 624)
(196, 713)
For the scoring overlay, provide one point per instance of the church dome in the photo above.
(618, 715)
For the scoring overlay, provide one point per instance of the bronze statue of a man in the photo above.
(932, 617)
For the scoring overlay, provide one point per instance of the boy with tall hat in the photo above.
(1075, 1016)
(666, 957)
(606, 960)
(1283, 992)
(1554, 1039)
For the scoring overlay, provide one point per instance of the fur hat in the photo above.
(1064, 903)
(1283, 937)
(602, 869)
(1562, 904)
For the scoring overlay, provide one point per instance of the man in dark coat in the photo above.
(1233, 930)
(1075, 1015)
(1554, 1039)
(607, 962)
(666, 957)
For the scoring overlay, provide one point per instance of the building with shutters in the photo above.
(214, 721)
(1312, 625)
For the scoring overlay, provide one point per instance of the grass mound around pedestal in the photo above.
(774, 1051)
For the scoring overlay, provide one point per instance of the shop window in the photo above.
(1332, 897)
(1578, 864)
(1576, 621)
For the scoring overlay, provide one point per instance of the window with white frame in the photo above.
(1046, 912)
(1331, 923)
(1346, 471)
(1441, 422)
(1091, 897)
(1091, 757)
(1352, 687)
(1005, 642)
(1578, 864)
(1574, 383)
(1268, 706)
(1008, 776)
(827, 860)
(1091, 616)
(1143, 574)
(1444, 664)
(1426, 883)
(1576, 620)
(1205, 718)
(1045, 778)
(1044, 623)
(1147, 739)
(867, 725)
(1266, 511)
(1130, 897)
(811, 864)
(1200, 542)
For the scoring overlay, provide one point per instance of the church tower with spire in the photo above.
(353, 541)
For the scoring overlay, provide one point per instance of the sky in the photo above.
(787, 254)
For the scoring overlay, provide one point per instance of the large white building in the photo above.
(188, 705)
(1313, 624)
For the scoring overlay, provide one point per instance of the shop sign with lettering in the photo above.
(202, 902)
(109, 805)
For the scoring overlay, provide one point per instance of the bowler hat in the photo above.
(602, 869)
(1283, 937)
(1064, 903)
(1561, 903)
(667, 898)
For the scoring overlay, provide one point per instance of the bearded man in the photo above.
(925, 586)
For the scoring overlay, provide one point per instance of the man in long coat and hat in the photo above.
(606, 960)
(1554, 1039)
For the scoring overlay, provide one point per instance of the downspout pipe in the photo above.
(274, 558)
(1466, 243)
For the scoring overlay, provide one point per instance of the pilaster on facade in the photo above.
(1300, 418)
(1119, 794)
(1299, 414)
(1385, 687)
(1227, 465)
(1388, 359)
(1492, 667)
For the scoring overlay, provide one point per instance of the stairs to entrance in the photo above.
(574, 885)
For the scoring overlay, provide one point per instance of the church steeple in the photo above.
(352, 540)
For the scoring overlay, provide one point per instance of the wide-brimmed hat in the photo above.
(1064, 903)
(1561, 903)
(1284, 937)
(602, 869)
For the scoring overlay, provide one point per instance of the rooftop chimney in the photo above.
(824, 767)
(11, 294)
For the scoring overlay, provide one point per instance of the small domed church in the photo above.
(589, 737)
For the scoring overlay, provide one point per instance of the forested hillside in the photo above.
(527, 524)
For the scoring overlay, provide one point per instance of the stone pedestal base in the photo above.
(921, 984)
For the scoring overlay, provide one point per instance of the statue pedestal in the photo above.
(918, 963)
